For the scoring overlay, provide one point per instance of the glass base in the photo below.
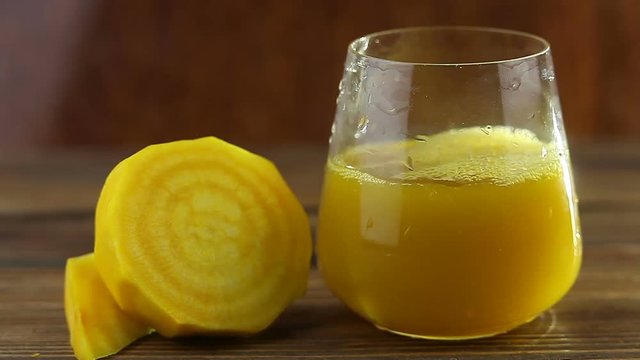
(453, 338)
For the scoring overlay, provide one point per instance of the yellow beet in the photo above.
(97, 325)
(201, 237)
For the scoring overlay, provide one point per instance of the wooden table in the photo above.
(46, 215)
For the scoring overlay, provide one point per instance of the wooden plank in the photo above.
(600, 318)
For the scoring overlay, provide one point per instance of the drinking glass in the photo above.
(448, 209)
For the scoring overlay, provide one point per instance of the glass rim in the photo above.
(360, 52)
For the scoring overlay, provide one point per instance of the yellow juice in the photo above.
(463, 234)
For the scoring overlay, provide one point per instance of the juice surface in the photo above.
(462, 234)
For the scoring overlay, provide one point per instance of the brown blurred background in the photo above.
(99, 72)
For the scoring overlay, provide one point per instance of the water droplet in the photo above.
(406, 231)
(421, 137)
(361, 127)
(548, 74)
(369, 99)
(369, 223)
(487, 129)
(533, 115)
(408, 163)
(391, 110)
(362, 124)
(544, 152)
(515, 84)
(343, 107)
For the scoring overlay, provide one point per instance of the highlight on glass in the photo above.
(448, 209)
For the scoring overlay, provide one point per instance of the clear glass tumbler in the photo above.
(448, 209)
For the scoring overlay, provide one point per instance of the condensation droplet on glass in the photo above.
(408, 163)
(533, 115)
(390, 109)
(515, 84)
(421, 137)
(362, 124)
(487, 129)
(361, 127)
(544, 152)
(343, 107)
(369, 99)
(548, 74)
(406, 231)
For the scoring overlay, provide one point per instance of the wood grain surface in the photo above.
(46, 215)
(267, 71)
